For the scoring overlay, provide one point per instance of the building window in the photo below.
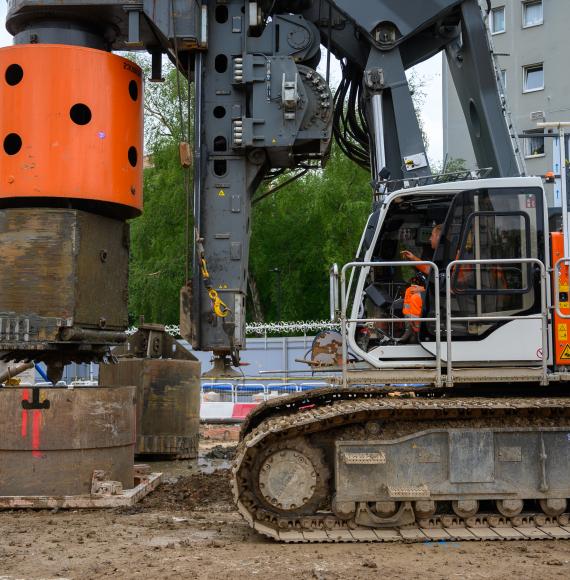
(498, 20)
(532, 14)
(533, 78)
(534, 146)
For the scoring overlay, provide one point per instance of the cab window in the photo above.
(493, 224)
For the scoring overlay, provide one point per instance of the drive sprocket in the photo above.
(291, 478)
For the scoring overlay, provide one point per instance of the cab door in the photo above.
(492, 224)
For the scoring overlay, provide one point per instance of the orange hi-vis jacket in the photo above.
(413, 304)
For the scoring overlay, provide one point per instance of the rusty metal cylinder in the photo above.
(53, 439)
(71, 127)
(71, 145)
(168, 403)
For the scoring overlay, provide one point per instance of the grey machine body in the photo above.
(261, 107)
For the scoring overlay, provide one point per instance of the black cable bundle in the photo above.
(350, 127)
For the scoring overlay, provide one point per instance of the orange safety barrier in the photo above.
(71, 126)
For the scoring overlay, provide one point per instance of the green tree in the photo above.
(158, 237)
(450, 165)
(301, 230)
(157, 267)
(417, 85)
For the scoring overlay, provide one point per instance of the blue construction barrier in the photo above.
(248, 392)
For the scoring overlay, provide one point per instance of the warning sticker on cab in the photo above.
(565, 355)
(562, 332)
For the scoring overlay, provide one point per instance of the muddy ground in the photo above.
(189, 528)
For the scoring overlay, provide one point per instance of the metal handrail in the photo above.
(333, 292)
(344, 320)
(543, 317)
(557, 287)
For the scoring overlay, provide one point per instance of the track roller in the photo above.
(385, 509)
(465, 508)
(424, 508)
(344, 510)
(553, 507)
(510, 507)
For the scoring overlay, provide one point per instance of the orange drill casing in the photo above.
(71, 126)
(561, 325)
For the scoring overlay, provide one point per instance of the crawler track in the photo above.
(326, 416)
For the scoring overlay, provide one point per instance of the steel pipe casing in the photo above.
(51, 440)
(71, 126)
(168, 403)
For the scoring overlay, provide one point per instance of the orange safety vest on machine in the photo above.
(413, 304)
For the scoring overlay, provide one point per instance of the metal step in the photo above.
(429, 376)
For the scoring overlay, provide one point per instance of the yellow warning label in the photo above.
(562, 332)
(563, 287)
(565, 355)
(222, 193)
(565, 305)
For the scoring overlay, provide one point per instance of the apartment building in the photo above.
(532, 48)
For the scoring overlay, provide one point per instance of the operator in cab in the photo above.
(414, 296)
(433, 240)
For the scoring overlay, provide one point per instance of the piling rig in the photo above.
(481, 444)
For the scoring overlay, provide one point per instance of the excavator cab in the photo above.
(485, 269)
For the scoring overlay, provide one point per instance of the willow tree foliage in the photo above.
(158, 237)
(301, 230)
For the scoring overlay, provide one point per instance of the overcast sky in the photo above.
(429, 72)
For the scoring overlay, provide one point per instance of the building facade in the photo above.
(530, 41)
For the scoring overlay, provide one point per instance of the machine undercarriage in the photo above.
(373, 464)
